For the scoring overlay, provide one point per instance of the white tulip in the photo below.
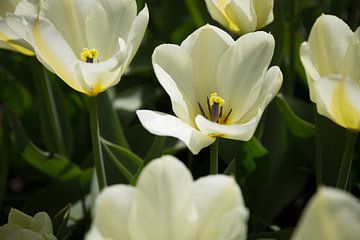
(218, 87)
(332, 214)
(87, 43)
(21, 226)
(241, 16)
(8, 38)
(168, 204)
(331, 60)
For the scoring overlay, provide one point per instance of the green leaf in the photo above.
(60, 221)
(297, 126)
(53, 165)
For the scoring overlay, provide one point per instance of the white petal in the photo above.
(166, 125)
(243, 16)
(328, 41)
(173, 68)
(206, 45)
(221, 209)
(312, 73)
(98, 77)
(41, 223)
(337, 98)
(271, 85)
(240, 71)
(136, 35)
(264, 12)
(112, 213)
(350, 66)
(51, 48)
(243, 131)
(162, 208)
(10, 40)
(217, 13)
(331, 214)
(106, 22)
(69, 17)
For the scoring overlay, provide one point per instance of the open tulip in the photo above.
(331, 59)
(168, 204)
(332, 214)
(218, 87)
(23, 227)
(87, 43)
(8, 38)
(241, 16)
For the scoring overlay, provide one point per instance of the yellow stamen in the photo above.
(214, 98)
(89, 55)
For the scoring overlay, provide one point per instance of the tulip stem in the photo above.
(345, 167)
(319, 159)
(96, 145)
(45, 89)
(214, 161)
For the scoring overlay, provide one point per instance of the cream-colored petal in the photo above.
(312, 73)
(240, 72)
(329, 38)
(237, 131)
(337, 98)
(112, 213)
(41, 223)
(69, 17)
(271, 85)
(166, 125)
(11, 41)
(264, 12)
(106, 21)
(350, 65)
(162, 208)
(173, 67)
(331, 214)
(97, 77)
(54, 50)
(221, 209)
(136, 35)
(216, 13)
(242, 15)
(7, 6)
(28, 7)
(206, 45)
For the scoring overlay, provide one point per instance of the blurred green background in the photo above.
(276, 169)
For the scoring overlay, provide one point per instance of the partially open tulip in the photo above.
(218, 87)
(241, 16)
(88, 43)
(23, 227)
(332, 214)
(8, 38)
(331, 59)
(168, 204)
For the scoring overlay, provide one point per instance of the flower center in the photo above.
(89, 55)
(215, 107)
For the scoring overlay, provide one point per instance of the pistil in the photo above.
(215, 108)
(89, 55)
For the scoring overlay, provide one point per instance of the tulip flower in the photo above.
(332, 214)
(8, 38)
(241, 16)
(23, 227)
(168, 204)
(331, 59)
(88, 43)
(218, 87)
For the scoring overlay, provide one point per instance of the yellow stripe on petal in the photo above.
(343, 109)
(16, 46)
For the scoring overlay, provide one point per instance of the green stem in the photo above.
(318, 161)
(42, 76)
(155, 149)
(345, 168)
(95, 138)
(214, 161)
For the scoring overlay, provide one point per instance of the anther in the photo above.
(89, 55)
